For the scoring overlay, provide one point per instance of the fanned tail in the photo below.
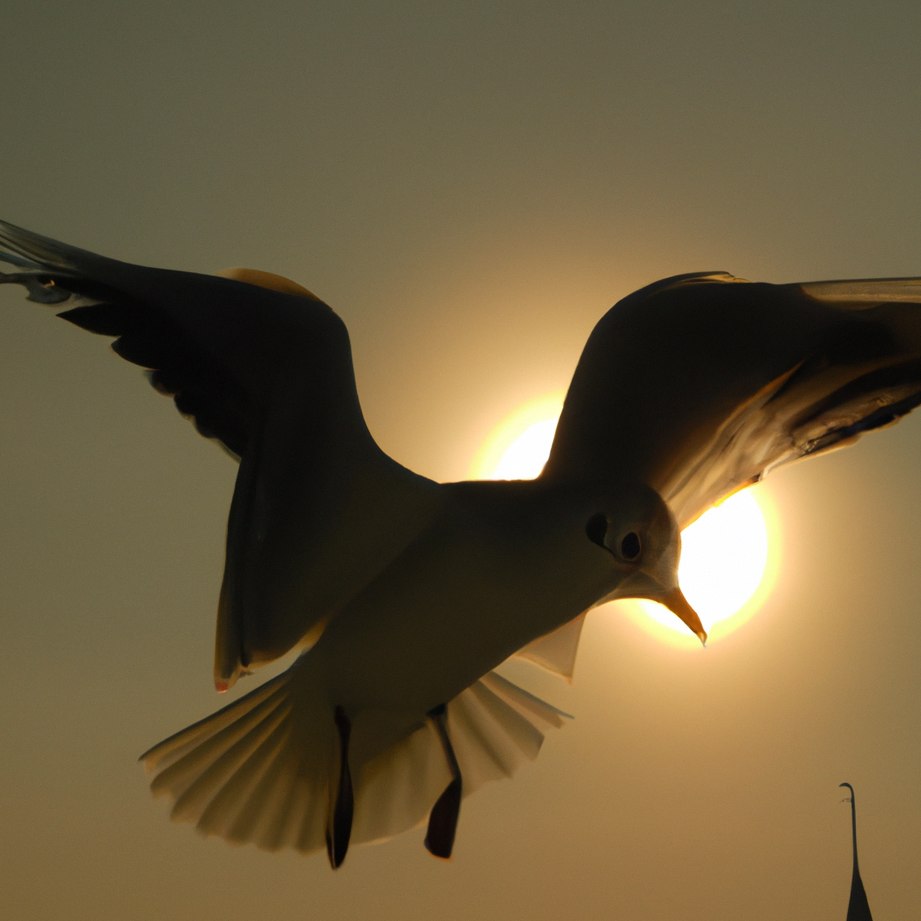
(494, 726)
(259, 770)
(243, 775)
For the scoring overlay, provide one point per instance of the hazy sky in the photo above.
(470, 186)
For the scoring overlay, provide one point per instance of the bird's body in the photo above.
(405, 594)
(453, 606)
(389, 650)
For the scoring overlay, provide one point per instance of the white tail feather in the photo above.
(259, 770)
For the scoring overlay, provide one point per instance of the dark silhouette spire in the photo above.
(858, 908)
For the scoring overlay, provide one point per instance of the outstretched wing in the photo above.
(698, 385)
(264, 367)
(211, 343)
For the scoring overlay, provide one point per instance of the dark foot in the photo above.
(439, 838)
(339, 826)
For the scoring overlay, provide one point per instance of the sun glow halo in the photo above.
(728, 564)
(728, 556)
(518, 447)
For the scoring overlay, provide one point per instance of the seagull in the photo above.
(403, 595)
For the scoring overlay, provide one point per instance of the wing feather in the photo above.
(214, 344)
(265, 368)
(701, 384)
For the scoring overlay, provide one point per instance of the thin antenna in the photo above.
(858, 908)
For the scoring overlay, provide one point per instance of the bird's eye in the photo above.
(630, 546)
(596, 528)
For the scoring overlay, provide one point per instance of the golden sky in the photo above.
(471, 186)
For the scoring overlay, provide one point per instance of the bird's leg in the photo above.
(339, 824)
(439, 838)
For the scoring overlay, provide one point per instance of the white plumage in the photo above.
(404, 593)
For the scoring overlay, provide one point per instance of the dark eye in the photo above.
(630, 546)
(596, 528)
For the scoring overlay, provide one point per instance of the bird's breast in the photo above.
(464, 597)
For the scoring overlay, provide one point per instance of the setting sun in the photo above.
(727, 555)
(517, 448)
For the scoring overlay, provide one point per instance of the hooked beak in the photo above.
(678, 605)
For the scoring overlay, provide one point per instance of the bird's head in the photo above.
(642, 536)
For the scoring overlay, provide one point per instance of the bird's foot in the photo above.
(339, 825)
(439, 838)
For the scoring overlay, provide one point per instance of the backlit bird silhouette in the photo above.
(404, 593)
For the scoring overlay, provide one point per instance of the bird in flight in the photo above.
(405, 594)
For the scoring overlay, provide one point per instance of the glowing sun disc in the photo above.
(728, 556)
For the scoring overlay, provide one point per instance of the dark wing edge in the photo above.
(766, 375)
(862, 373)
(145, 311)
(264, 368)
